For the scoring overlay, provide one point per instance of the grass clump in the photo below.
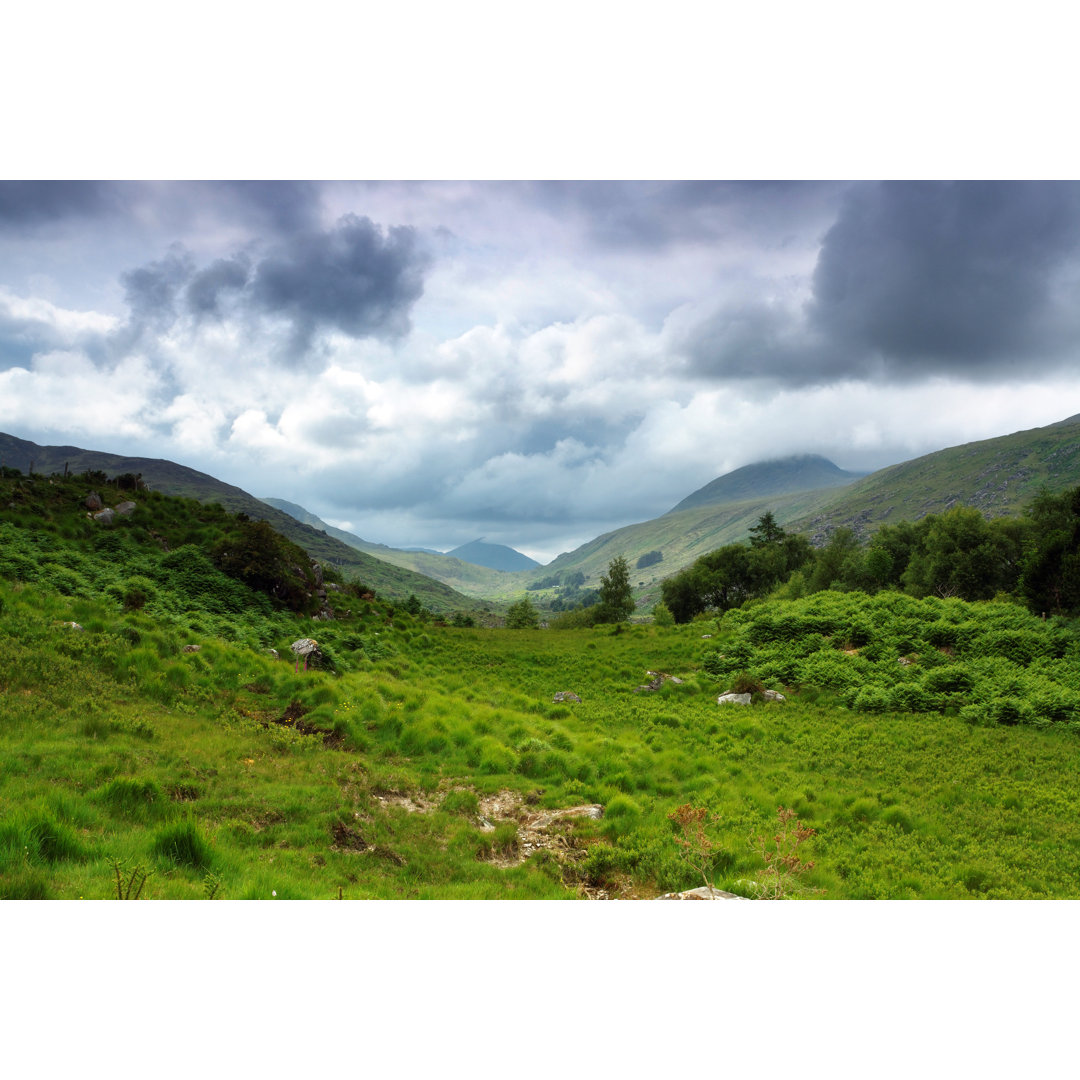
(183, 845)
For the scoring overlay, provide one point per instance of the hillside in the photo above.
(464, 577)
(997, 477)
(169, 478)
(805, 472)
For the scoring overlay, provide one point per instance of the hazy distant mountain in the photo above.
(493, 556)
(804, 472)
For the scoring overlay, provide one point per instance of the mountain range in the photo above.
(807, 494)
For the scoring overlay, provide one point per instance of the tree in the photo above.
(1050, 578)
(766, 531)
(522, 615)
(616, 599)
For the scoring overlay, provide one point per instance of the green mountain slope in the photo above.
(805, 472)
(170, 478)
(996, 476)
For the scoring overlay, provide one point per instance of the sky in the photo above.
(426, 363)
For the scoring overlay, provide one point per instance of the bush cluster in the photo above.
(992, 662)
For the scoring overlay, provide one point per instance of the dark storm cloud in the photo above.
(151, 291)
(26, 203)
(947, 277)
(916, 279)
(285, 206)
(221, 278)
(354, 278)
(756, 341)
(653, 215)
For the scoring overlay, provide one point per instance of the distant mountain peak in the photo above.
(780, 476)
(493, 556)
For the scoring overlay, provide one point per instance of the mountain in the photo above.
(997, 477)
(493, 556)
(805, 472)
(172, 479)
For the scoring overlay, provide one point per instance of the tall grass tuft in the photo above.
(183, 845)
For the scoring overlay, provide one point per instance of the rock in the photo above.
(191, 648)
(105, 517)
(566, 695)
(701, 893)
(733, 699)
(73, 625)
(704, 636)
(773, 695)
(126, 508)
(274, 653)
(93, 501)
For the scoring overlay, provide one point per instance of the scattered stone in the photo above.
(648, 688)
(704, 636)
(191, 648)
(903, 661)
(658, 679)
(733, 699)
(126, 508)
(274, 653)
(73, 625)
(105, 517)
(702, 892)
(773, 695)
(93, 501)
(566, 695)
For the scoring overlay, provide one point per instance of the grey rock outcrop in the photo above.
(566, 695)
(733, 699)
(126, 508)
(105, 517)
(93, 502)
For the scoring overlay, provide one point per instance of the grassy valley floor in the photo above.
(435, 764)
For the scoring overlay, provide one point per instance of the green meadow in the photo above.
(225, 773)
(157, 740)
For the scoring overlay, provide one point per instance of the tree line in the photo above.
(1035, 557)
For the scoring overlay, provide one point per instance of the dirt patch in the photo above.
(293, 717)
(537, 830)
(347, 839)
(413, 804)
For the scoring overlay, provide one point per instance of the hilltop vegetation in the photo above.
(422, 760)
(168, 478)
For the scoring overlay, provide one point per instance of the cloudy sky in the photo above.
(535, 363)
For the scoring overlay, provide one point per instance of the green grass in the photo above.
(225, 772)
(102, 766)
